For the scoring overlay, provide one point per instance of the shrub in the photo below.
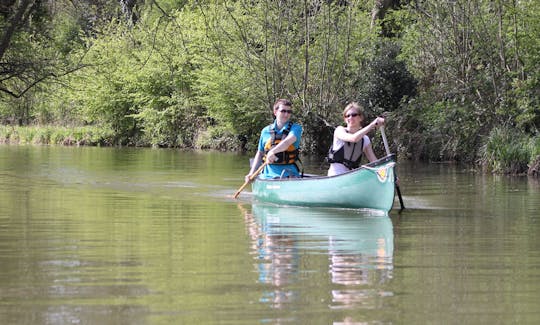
(506, 151)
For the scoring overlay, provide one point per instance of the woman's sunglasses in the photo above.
(352, 115)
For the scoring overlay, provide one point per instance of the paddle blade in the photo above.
(251, 178)
(399, 197)
(240, 189)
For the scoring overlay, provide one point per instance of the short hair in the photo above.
(281, 101)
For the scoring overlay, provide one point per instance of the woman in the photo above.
(279, 144)
(351, 142)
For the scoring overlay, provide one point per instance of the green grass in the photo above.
(56, 135)
(509, 152)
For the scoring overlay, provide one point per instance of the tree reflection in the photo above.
(277, 260)
(360, 276)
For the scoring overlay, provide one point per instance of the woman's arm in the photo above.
(342, 134)
(370, 155)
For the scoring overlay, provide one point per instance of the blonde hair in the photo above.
(359, 109)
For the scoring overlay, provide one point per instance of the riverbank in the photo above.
(502, 154)
(56, 135)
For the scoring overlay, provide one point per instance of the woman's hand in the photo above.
(378, 122)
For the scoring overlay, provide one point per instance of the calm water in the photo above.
(142, 236)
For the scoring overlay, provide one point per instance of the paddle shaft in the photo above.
(388, 154)
(251, 178)
(386, 147)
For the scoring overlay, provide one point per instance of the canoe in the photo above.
(370, 186)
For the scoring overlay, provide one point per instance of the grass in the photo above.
(509, 152)
(57, 135)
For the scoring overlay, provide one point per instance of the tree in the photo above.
(16, 13)
(37, 44)
(476, 72)
(311, 52)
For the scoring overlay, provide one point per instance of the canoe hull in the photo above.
(368, 187)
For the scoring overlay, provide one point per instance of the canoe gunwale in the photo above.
(369, 166)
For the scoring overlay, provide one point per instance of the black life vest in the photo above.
(345, 154)
(289, 156)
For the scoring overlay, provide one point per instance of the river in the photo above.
(153, 236)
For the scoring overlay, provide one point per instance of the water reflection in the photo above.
(288, 243)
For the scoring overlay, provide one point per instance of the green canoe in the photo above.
(369, 187)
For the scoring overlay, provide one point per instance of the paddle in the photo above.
(388, 154)
(251, 178)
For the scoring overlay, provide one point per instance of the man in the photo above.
(278, 144)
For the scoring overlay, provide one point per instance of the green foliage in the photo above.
(474, 75)
(210, 65)
(67, 33)
(89, 136)
(507, 151)
(443, 131)
(140, 92)
(258, 52)
(525, 104)
(215, 137)
(534, 164)
(205, 74)
(35, 48)
(387, 82)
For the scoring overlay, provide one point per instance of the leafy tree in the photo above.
(35, 45)
(310, 52)
(467, 56)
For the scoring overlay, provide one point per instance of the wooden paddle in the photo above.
(251, 178)
(388, 154)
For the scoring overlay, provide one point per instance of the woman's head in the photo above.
(354, 111)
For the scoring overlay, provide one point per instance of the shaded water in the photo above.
(142, 236)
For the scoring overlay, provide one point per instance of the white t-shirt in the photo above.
(338, 168)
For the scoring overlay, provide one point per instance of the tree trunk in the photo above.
(380, 8)
(12, 25)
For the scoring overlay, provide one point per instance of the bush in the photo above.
(217, 138)
(534, 165)
(388, 81)
(506, 151)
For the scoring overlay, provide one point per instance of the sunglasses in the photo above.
(352, 115)
(288, 111)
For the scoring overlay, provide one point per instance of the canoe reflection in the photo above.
(286, 240)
